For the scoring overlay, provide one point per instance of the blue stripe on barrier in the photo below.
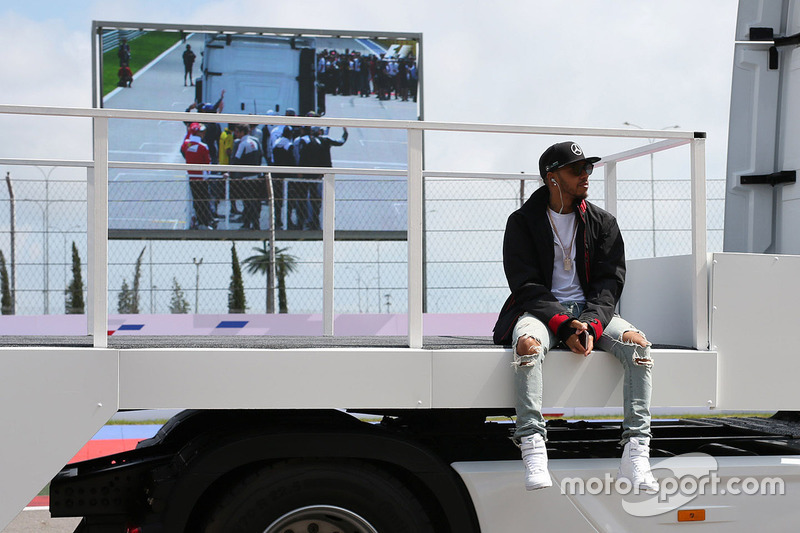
(124, 431)
(130, 327)
(232, 324)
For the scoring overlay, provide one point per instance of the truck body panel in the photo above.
(502, 507)
(53, 401)
(762, 206)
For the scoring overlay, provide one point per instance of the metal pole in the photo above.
(328, 228)
(98, 236)
(13, 246)
(700, 279)
(46, 238)
(64, 238)
(358, 290)
(415, 239)
(196, 281)
(653, 202)
(273, 274)
(44, 261)
(378, 264)
(152, 306)
(611, 187)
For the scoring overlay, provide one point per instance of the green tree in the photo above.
(74, 303)
(285, 264)
(6, 303)
(137, 276)
(128, 302)
(125, 303)
(236, 299)
(178, 304)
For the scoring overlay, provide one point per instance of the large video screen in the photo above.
(254, 71)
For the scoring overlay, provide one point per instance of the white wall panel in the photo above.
(261, 379)
(754, 328)
(52, 401)
(658, 298)
(485, 378)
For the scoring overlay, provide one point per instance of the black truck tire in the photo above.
(323, 497)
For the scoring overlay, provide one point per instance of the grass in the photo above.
(144, 49)
(158, 421)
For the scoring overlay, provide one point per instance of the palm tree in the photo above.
(285, 263)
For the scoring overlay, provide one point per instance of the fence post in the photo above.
(97, 189)
(700, 279)
(415, 238)
(611, 187)
(328, 234)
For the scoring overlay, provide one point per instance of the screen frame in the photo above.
(99, 26)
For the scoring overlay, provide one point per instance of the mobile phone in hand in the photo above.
(584, 338)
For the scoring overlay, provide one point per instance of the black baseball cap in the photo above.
(560, 155)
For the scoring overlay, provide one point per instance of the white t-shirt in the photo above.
(566, 286)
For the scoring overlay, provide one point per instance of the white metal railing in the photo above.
(97, 170)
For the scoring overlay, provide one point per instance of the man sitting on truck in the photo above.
(564, 260)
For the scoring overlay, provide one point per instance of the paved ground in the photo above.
(39, 520)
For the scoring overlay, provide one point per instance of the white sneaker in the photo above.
(534, 455)
(635, 465)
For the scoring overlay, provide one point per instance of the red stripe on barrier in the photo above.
(40, 501)
(92, 450)
(100, 448)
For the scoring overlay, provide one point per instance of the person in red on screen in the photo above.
(195, 151)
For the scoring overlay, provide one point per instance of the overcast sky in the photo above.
(572, 63)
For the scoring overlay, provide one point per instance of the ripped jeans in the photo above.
(635, 359)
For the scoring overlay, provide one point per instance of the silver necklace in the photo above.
(566, 251)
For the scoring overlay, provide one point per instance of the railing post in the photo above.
(611, 187)
(415, 238)
(700, 279)
(97, 189)
(328, 234)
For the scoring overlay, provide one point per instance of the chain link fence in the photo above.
(49, 215)
(192, 271)
(465, 223)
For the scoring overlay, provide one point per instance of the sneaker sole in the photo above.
(539, 486)
(646, 489)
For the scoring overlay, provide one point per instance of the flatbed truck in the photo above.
(382, 434)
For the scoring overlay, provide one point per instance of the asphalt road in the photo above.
(34, 520)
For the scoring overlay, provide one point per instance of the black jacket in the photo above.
(528, 262)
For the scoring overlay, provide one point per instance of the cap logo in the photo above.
(576, 149)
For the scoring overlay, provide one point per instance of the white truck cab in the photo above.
(260, 73)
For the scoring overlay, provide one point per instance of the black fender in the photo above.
(210, 461)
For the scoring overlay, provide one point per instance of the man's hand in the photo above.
(574, 343)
